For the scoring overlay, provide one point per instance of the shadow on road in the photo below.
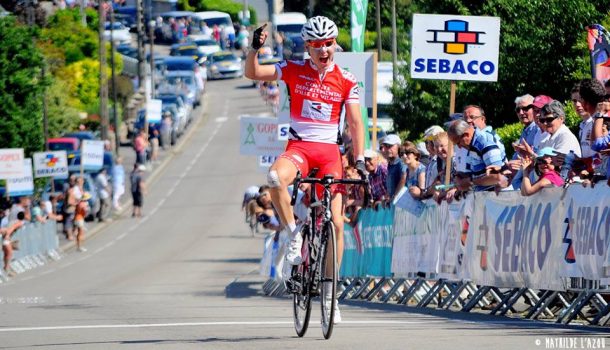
(243, 289)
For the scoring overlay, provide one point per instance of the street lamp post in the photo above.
(117, 142)
(151, 37)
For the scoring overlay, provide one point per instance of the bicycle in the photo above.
(307, 279)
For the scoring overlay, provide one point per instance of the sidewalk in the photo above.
(152, 172)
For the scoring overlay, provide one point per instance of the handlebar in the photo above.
(328, 180)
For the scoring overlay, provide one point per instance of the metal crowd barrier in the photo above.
(506, 253)
(38, 245)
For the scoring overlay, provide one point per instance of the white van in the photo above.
(289, 22)
(218, 18)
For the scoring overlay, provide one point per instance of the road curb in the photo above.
(153, 176)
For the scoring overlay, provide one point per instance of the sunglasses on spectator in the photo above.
(523, 109)
(321, 43)
(368, 159)
(540, 161)
(547, 120)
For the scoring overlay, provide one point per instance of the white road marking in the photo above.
(199, 324)
(221, 119)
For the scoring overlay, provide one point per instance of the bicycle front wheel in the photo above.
(328, 277)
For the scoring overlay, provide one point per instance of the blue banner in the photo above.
(351, 264)
(377, 235)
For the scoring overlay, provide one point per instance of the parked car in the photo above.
(182, 80)
(181, 109)
(120, 33)
(74, 162)
(205, 44)
(179, 63)
(188, 50)
(64, 144)
(224, 64)
(127, 20)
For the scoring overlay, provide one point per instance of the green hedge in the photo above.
(228, 6)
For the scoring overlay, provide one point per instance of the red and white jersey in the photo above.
(316, 100)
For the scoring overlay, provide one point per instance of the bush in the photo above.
(509, 134)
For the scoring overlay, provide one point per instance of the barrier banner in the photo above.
(585, 231)
(416, 242)
(377, 234)
(351, 264)
(24, 185)
(51, 164)
(453, 227)
(514, 241)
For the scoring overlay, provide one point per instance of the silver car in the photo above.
(224, 64)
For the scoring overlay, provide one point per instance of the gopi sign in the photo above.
(451, 47)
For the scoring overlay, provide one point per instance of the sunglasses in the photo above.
(523, 109)
(548, 120)
(368, 159)
(321, 43)
(543, 161)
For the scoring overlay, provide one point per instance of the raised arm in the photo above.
(253, 70)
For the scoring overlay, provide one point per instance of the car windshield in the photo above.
(290, 28)
(188, 51)
(180, 65)
(224, 21)
(117, 25)
(225, 57)
(206, 42)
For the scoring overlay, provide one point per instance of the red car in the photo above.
(64, 144)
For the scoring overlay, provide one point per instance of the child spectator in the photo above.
(416, 172)
(545, 169)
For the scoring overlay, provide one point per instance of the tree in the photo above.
(21, 87)
(82, 79)
(540, 52)
(62, 116)
(65, 31)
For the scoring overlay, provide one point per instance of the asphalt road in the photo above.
(185, 276)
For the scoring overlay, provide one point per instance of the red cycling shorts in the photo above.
(308, 155)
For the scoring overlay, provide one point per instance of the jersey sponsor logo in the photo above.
(348, 75)
(303, 76)
(316, 110)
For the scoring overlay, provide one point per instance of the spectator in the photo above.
(355, 196)
(545, 169)
(397, 171)
(441, 147)
(205, 30)
(48, 209)
(416, 172)
(82, 208)
(377, 173)
(432, 167)
(539, 102)
(593, 95)
(118, 183)
(586, 126)
(103, 191)
(8, 244)
(557, 135)
(483, 152)
(166, 130)
(216, 33)
(140, 145)
(37, 214)
(607, 87)
(154, 145)
(526, 112)
(21, 206)
(70, 202)
(475, 116)
(138, 189)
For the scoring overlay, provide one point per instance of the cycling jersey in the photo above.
(316, 100)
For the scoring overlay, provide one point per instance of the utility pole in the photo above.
(151, 33)
(45, 112)
(103, 77)
(394, 44)
(83, 15)
(378, 16)
(117, 141)
(141, 33)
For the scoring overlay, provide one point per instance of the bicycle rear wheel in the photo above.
(328, 273)
(301, 297)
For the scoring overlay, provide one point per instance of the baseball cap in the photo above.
(142, 167)
(369, 153)
(432, 131)
(546, 152)
(541, 100)
(391, 139)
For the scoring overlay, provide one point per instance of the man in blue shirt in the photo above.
(596, 103)
(397, 171)
(483, 157)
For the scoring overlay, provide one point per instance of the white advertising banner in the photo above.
(258, 136)
(51, 164)
(452, 223)
(153, 110)
(11, 163)
(92, 154)
(361, 65)
(283, 115)
(23, 185)
(265, 162)
(450, 47)
(585, 230)
(515, 241)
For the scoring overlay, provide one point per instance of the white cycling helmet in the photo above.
(319, 28)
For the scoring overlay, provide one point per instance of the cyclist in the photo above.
(318, 89)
